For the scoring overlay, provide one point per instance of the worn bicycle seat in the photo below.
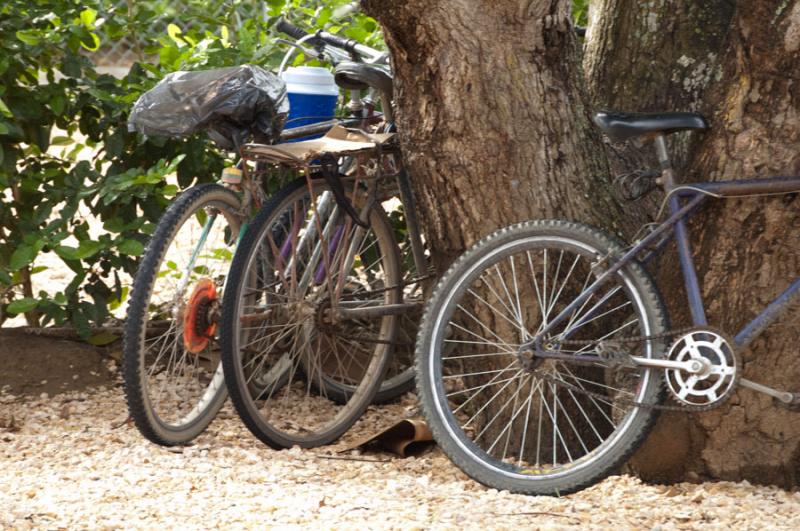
(358, 76)
(620, 126)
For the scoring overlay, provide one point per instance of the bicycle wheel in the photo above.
(400, 373)
(171, 368)
(523, 429)
(301, 257)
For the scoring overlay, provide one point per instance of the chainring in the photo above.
(719, 376)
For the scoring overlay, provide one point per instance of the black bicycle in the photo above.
(174, 382)
(325, 289)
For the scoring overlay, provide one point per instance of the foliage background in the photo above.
(67, 160)
(55, 107)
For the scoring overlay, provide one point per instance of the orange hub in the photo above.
(198, 327)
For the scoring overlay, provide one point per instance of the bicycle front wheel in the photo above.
(551, 426)
(171, 364)
(287, 353)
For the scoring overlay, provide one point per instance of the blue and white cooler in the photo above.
(312, 95)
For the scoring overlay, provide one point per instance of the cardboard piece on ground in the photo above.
(404, 438)
(338, 141)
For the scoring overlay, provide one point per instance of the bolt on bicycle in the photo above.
(545, 353)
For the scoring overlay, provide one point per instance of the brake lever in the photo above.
(306, 51)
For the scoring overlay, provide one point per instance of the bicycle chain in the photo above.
(629, 340)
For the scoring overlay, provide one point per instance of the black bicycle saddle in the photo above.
(358, 76)
(620, 126)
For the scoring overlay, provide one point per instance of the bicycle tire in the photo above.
(158, 421)
(253, 279)
(460, 440)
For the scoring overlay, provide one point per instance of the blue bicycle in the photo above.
(545, 353)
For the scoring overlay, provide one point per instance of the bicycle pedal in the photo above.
(794, 405)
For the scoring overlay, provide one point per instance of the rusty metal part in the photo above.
(198, 327)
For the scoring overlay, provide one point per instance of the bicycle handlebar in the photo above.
(284, 26)
(329, 39)
(334, 40)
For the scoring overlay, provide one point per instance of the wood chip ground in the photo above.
(71, 462)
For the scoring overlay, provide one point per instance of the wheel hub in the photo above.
(199, 325)
(527, 358)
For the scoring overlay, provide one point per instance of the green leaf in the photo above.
(92, 43)
(57, 104)
(131, 247)
(66, 252)
(61, 141)
(88, 248)
(88, 16)
(22, 256)
(174, 33)
(71, 66)
(22, 305)
(29, 37)
(4, 110)
(103, 338)
(324, 16)
(116, 303)
(3, 129)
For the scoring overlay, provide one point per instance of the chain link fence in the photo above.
(124, 52)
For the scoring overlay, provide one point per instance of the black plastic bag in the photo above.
(229, 103)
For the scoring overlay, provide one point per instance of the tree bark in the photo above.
(496, 129)
(492, 117)
(749, 250)
(740, 74)
(653, 56)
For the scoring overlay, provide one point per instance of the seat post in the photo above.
(667, 175)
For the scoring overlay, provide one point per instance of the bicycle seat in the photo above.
(358, 76)
(620, 126)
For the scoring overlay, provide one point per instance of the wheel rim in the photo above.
(181, 373)
(282, 330)
(504, 417)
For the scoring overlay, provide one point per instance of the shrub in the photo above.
(66, 156)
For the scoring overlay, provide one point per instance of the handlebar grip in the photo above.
(284, 26)
(339, 42)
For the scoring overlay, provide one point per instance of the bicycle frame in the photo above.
(684, 200)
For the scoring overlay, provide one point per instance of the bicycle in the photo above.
(173, 378)
(545, 353)
(316, 289)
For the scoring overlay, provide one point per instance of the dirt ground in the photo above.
(34, 365)
(69, 460)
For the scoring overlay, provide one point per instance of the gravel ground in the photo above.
(71, 462)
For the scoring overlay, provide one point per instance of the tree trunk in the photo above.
(635, 62)
(655, 56)
(750, 248)
(492, 117)
(495, 129)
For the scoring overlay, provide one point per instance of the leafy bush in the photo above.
(66, 156)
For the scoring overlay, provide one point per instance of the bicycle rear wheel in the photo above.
(555, 426)
(301, 258)
(171, 365)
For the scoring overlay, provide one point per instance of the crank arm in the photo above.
(692, 367)
(783, 396)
